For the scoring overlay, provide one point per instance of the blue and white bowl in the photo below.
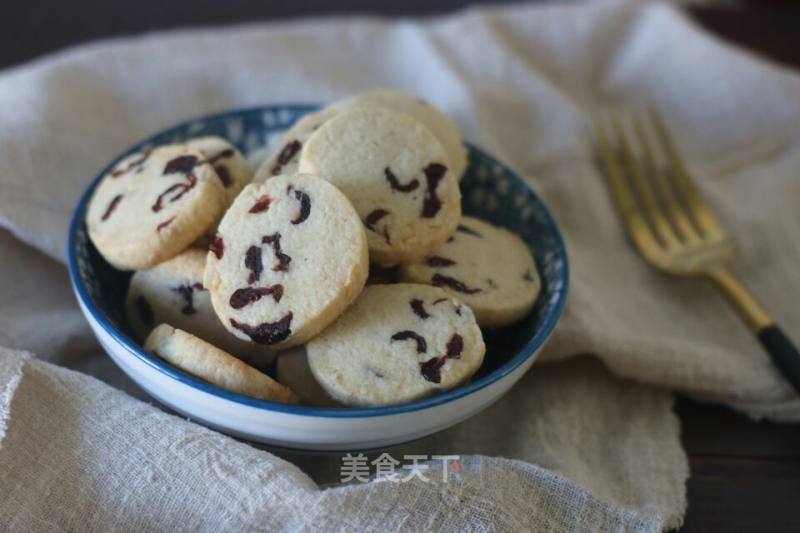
(490, 191)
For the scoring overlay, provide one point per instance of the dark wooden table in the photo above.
(745, 476)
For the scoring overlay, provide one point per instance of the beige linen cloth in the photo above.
(589, 443)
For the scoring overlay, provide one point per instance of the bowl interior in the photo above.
(490, 191)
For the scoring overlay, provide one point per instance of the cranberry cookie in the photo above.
(286, 159)
(396, 344)
(207, 362)
(172, 292)
(395, 173)
(292, 370)
(289, 257)
(233, 170)
(442, 127)
(487, 267)
(153, 205)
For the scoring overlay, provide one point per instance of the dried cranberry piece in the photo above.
(418, 306)
(432, 204)
(274, 240)
(422, 346)
(287, 153)
(119, 171)
(432, 369)
(144, 310)
(396, 185)
(469, 231)
(183, 164)
(165, 224)
(252, 260)
(527, 276)
(187, 293)
(224, 175)
(112, 205)
(217, 246)
(262, 204)
(438, 261)
(267, 332)
(446, 281)
(248, 295)
(305, 204)
(221, 170)
(372, 218)
(455, 346)
(136, 165)
(226, 153)
(179, 189)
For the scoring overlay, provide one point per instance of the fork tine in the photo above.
(702, 214)
(643, 188)
(632, 217)
(674, 211)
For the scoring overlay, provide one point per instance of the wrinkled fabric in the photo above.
(80, 455)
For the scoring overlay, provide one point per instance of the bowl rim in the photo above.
(530, 348)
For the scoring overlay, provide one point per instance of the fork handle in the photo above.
(783, 353)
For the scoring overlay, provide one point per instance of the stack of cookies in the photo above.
(233, 268)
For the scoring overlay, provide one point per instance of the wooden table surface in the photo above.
(745, 476)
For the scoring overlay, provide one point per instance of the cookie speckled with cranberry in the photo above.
(396, 174)
(487, 267)
(437, 122)
(153, 205)
(292, 370)
(207, 362)
(396, 344)
(172, 292)
(233, 170)
(286, 158)
(290, 255)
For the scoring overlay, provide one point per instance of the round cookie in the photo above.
(487, 267)
(292, 370)
(290, 255)
(199, 358)
(152, 205)
(172, 292)
(442, 127)
(396, 344)
(286, 158)
(395, 173)
(232, 168)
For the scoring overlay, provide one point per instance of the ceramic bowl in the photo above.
(490, 191)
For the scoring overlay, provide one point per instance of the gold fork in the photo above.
(670, 223)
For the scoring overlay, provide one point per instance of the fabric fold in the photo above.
(11, 364)
(105, 461)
